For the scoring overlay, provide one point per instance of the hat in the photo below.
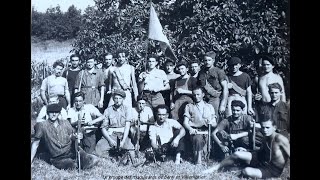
(169, 61)
(119, 92)
(234, 61)
(54, 108)
(238, 103)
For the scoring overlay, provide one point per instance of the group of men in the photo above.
(191, 112)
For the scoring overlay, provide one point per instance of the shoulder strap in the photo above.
(237, 88)
(120, 79)
(81, 80)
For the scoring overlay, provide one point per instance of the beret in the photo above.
(234, 61)
(119, 92)
(54, 108)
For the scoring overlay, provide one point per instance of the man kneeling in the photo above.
(269, 161)
(163, 138)
(58, 135)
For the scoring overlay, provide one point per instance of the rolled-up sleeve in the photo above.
(187, 111)
(38, 128)
(152, 133)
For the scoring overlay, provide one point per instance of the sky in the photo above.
(43, 5)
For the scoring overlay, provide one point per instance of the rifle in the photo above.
(138, 137)
(78, 141)
(254, 136)
(209, 142)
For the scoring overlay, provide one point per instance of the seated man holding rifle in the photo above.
(199, 117)
(58, 136)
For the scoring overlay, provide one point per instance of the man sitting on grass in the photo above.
(58, 135)
(164, 140)
(269, 161)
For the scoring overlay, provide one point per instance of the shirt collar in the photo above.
(116, 109)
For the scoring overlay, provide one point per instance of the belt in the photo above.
(150, 92)
(200, 128)
(61, 95)
(92, 87)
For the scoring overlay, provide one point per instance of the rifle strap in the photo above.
(120, 79)
(237, 88)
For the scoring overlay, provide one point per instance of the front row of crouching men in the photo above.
(144, 129)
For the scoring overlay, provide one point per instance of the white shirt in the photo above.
(146, 116)
(164, 131)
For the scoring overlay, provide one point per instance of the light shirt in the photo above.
(116, 117)
(164, 131)
(155, 80)
(42, 116)
(198, 113)
(55, 85)
(146, 116)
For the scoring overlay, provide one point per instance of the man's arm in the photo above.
(239, 135)
(43, 96)
(284, 144)
(34, 147)
(152, 136)
(249, 100)
(225, 93)
(126, 133)
(134, 84)
(283, 96)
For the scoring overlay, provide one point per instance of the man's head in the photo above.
(275, 91)
(99, 65)
(152, 61)
(268, 63)
(78, 100)
(118, 96)
(75, 60)
(182, 67)
(237, 108)
(234, 64)
(198, 94)
(90, 62)
(141, 103)
(53, 111)
(108, 57)
(209, 58)
(58, 67)
(121, 57)
(268, 126)
(53, 99)
(161, 113)
(194, 67)
(169, 66)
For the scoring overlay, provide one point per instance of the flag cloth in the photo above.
(156, 33)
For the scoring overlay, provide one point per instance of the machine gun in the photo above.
(78, 141)
(226, 140)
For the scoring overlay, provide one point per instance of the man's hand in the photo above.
(112, 143)
(90, 123)
(252, 122)
(180, 90)
(258, 97)
(193, 131)
(175, 143)
(78, 136)
(250, 111)
(100, 104)
(234, 136)
(171, 105)
(222, 109)
(122, 143)
(224, 149)
(68, 107)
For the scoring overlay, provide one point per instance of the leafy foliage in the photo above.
(243, 28)
(55, 24)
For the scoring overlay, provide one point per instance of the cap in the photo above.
(234, 61)
(169, 61)
(119, 92)
(54, 108)
(182, 62)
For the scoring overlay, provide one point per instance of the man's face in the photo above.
(182, 70)
(53, 100)
(208, 61)
(108, 60)
(267, 129)
(78, 102)
(53, 116)
(274, 94)
(122, 58)
(152, 62)
(234, 68)
(58, 70)
(90, 63)
(195, 68)
(162, 115)
(75, 62)
(141, 104)
(267, 66)
(236, 111)
(99, 65)
(198, 95)
(169, 67)
(118, 100)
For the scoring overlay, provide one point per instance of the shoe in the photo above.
(178, 160)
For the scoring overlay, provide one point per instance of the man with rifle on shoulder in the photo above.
(58, 136)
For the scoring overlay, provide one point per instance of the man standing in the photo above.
(42, 116)
(89, 115)
(107, 70)
(194, 68)
(55, 84)
(152, 82)
(169, 66)
(71, 74)
(268, 162)
(115, 127)
(214, 82)
(164, 140)
(181, 91)
(123, 77)
(277, 109)
(239, 84)
(58, 135)
(198, 116)
(89, 81)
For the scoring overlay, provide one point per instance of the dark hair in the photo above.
(140, 97)
(275, 86)
(106, 54)
(154, 56)
(58, 63)
(122, 51)
(182, 63)
(237, 103)
(161, 106)
(78, 94)
(268, 58)
(194, 61)
(90, 57)
(266, 117)
(211, 54)
(169, 61)
(198, 87)
(75, 55)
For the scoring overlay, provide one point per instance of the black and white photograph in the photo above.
(160, 89)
